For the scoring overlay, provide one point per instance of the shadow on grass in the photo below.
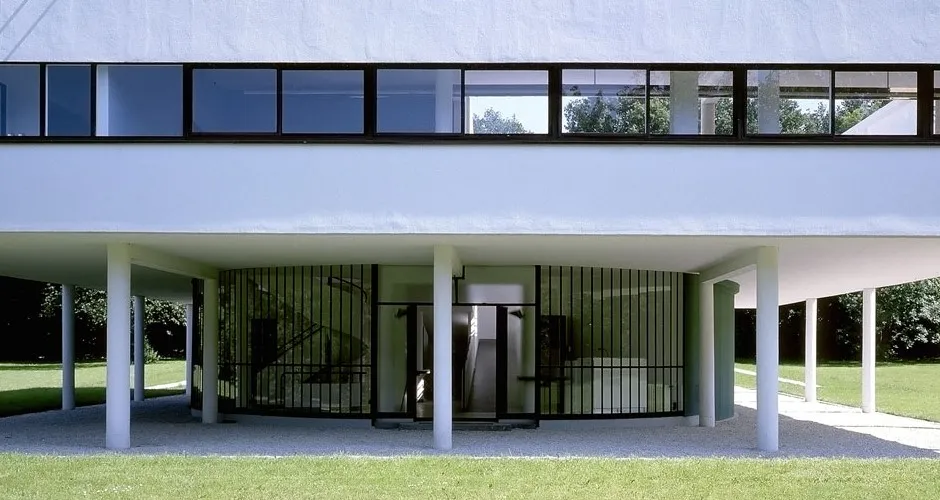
(20, 401)
(849, 364)
(48, 366)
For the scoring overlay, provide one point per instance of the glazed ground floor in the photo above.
(511, 343)
(533, 330)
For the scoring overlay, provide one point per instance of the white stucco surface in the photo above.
(470, 31)
(515, 189)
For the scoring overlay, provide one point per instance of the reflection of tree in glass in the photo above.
(493, 122)
(625, 113)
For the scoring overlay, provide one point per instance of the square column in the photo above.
(444, 258)
(189, 349)
(768, 102)
(868, 350)
(768, 349)
(684, 111)
(809, 370)
(445, 103)
(118, 390)
(68, 347)
(138, 348)
(210, 352)
(706, 395)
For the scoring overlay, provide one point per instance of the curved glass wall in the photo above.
(610, 342)
(296, 340)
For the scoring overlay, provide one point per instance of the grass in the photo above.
(900, 388)
(28, 387)
(445, 477)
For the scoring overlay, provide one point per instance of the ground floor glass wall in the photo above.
(296, 340)
(528, 342)
(610, 342)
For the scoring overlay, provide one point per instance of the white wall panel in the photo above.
(482, 189)
(470, 31)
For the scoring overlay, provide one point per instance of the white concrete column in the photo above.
(706, 394)
(683, 102)
(444, 100)
(68, 347)
(118, 391)
(443, 338)
(210, 352)
(768, 356)
(189, 349)
(709, 112)
(102, 102)
(809, 365)
(138, 348)
(868, 350)
(768, 102)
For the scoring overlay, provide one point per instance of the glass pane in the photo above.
(876, 103)
(788, 101)
(322, 102)
(506, 102)
(691, 103)
(68, 101)
(296, 340)
(235, 100)
(19, 100)
(610, 341)
(142, 101)
(418, 101)
(601, 101)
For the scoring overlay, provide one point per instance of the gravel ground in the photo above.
(164, 426)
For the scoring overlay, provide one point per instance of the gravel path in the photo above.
(164, 426)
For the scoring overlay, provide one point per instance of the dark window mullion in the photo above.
(739, 103)
(554, 102)
(925, 102)
(187, 100)
(279, 93)
(42, 99)
(93, 99)
(832, 103)
(370, 101)
(463, 103)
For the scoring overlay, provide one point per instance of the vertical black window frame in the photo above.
(507, 102)
(611, 102)
(69, 97)
(323, 101)
(234, 101)
(21, 96)
(926, 110)
(556, 119)
(934, 127)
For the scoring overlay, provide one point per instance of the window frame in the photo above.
(926, 95)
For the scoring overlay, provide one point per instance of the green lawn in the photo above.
(26, 388)
(338, 478)
(909, 389)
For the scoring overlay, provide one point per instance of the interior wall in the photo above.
(144, 100)
(22, 99)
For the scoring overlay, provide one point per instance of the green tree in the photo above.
(493, 122)
(907, 319)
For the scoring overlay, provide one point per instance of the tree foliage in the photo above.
(493, 122)
(31, 319)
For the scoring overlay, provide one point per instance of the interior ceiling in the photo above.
(809, 267)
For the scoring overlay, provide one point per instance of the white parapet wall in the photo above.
(479, 31)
